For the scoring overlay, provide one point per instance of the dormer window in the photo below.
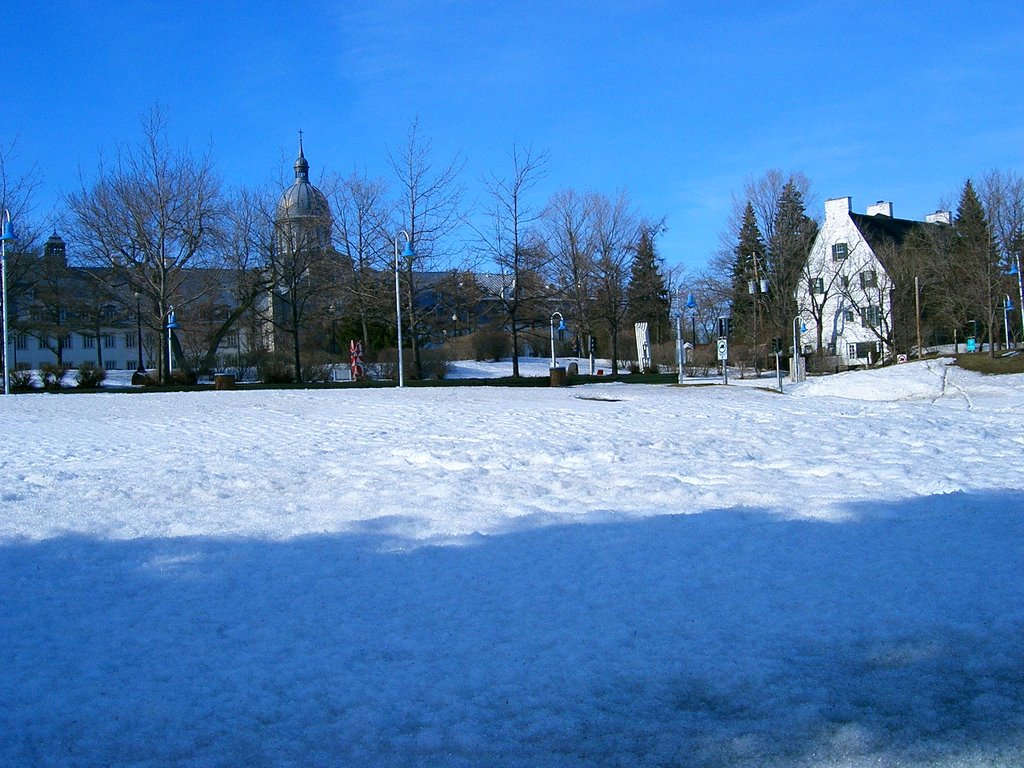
(839, 251)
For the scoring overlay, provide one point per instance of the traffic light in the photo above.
(777, 345)
(724, 326)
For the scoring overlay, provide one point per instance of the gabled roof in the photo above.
(885, 234)
(883, 229)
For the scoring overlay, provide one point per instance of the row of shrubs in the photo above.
(52, 377)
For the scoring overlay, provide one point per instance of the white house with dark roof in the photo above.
(845, 296)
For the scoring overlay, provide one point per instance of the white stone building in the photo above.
(845, 296)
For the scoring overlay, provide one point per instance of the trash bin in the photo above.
(559, 377)
(223, 381)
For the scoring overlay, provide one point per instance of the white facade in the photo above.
(845, 291)
(117, 347)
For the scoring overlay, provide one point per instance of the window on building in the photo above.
(21, 341)
(849, 315)
(110, 365)
(65, 341)
(851, 351)
(129, 340)
(840, 251)
(868, 279)
(109, 340)
(871, 316)
(88, 342)
(230, 340)
(844, 282)
(817, 285)
(42, 343)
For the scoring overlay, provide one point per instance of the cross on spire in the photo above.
(301, 166)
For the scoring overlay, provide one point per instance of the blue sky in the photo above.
(679, 103)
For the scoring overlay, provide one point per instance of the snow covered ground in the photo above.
(605, 575)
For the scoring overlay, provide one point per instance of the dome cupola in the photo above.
(302, 202)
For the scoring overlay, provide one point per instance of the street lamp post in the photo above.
(798, 329)
(407, 253)
(691, 311)
(1007, 306)
(1015, 270)
(6, 236)
(680, 350)
(757, 288)
(561, 327)
(333, 347)
(140, 369)
(172, 323)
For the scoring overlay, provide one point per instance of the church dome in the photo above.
(302, 200)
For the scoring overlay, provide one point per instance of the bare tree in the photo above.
(362, 215)
(616, 230)
(429, 211)
(1002, 195)
(17, 189)
(568, 225)
(512, 243)
(151, 216)
(304, 274)
(764, 194)
(712, 291)
(233, 294)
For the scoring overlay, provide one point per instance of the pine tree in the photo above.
(974, 276)
(748, 269)
(647, 296)
(793, 234)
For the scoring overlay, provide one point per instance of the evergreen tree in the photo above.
(793, 233)
(647, 296)
(748, 268)
(973, 277)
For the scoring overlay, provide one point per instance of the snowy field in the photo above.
(604, 575)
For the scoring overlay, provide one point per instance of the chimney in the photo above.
(939, 217)
(838, 207)
(881, 208)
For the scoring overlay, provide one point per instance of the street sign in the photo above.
(723, 349)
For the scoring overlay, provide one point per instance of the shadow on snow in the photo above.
(734, 637)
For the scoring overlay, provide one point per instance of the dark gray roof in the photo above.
(302, 200)
(881, 229)
(886, 235)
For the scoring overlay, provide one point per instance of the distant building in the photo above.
(303, 254)
(846, 295)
